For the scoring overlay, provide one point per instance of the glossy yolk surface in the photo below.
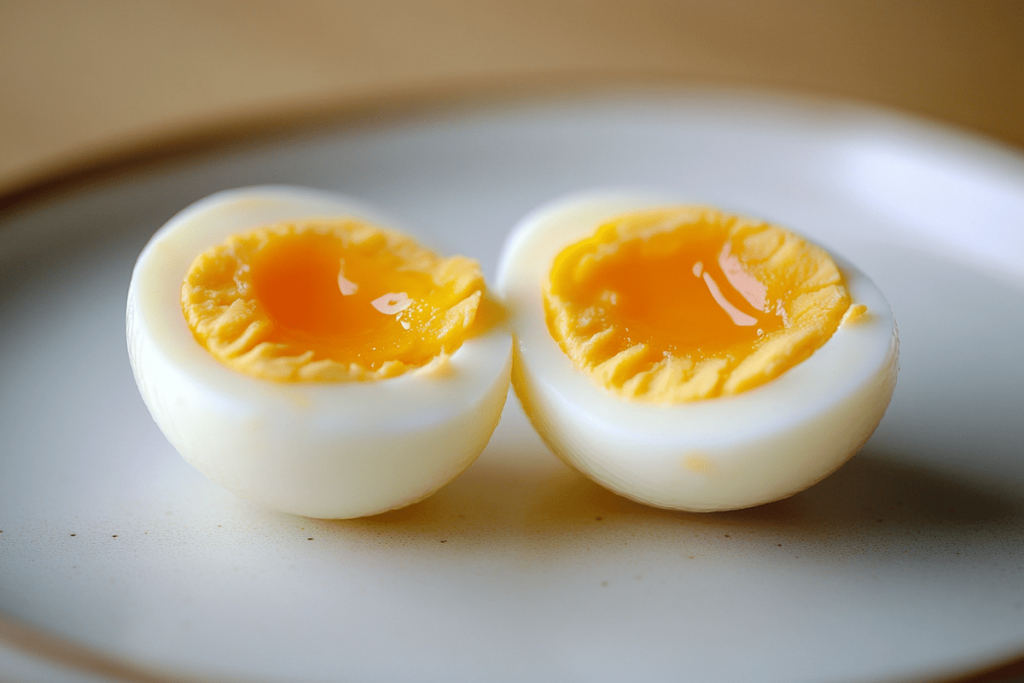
(679, 297)
(690, 303)
(344, 303)
(328, 301)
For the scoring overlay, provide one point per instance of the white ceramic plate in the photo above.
(118, 559)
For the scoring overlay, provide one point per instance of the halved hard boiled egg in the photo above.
(690, 359)
(303, 356)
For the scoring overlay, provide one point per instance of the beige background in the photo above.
(99, 82)
(93, 84)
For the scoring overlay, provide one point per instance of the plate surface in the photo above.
(119, 559)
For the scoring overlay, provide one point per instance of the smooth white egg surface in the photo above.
(722, 453)
(327, 450)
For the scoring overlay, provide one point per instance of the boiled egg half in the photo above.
(691, 359)
(303, 356)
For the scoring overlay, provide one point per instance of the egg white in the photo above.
(318, 450)
(719, 454)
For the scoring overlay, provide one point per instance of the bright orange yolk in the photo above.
(341, 303)
(328, 301)
(688, 303)
(679, 298)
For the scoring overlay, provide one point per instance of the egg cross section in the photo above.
(328, 301)
(689, 303)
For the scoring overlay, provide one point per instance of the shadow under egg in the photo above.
(524, 502)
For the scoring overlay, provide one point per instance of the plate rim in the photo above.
(80, 174)
(79, 171)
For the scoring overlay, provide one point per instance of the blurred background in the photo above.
(91, 84)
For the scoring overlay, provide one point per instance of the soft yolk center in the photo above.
(329, 300)
(693, 298)
(342, 302)
(688, 303)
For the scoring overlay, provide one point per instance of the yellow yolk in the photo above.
(678, 299)
(342, 304)
(689, 303)
(328, 301)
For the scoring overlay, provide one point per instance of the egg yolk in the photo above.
(690, 303)
(329, 301)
